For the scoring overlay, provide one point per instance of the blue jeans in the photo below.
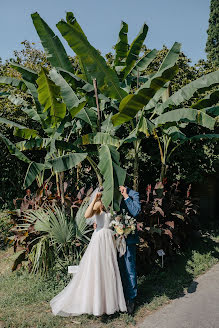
(127, 267)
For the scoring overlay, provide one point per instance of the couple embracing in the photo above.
(104, 282)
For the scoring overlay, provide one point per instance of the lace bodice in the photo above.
(102, 220)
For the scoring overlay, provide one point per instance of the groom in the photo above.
(127, 263)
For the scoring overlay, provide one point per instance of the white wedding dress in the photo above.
(96, 288)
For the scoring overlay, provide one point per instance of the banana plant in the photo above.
(166, 123)
(55, 106)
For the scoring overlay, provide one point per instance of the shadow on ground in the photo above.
(178, 272)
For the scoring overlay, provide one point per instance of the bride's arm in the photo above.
(90, 211)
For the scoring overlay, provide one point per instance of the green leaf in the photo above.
(32, 172)
(32, 113)
(189, 115)
(38, 143)
(17, 101)
(121, 46)
(13, 82)
(76, 82)
(99, 138)
(27, 74)
(209, 100)
(49, 97)
(114, 176)
(134, 51)
(107, 80)
(132, 103)
(89, 116)
(175, 133)
(214, 111)
(187, 92)
(69, 96)
(66, 162)
(25, 133)
(213, 137)
(153, 102)
(172, 56)
(20, 130)
(14, 150)
(75, 110)
(144, 62)
(53, 47)
(107, 126)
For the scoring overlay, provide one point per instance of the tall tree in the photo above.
(212, 45)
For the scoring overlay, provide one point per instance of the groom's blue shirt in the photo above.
(133, 207)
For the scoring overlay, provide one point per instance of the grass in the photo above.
(24, 298)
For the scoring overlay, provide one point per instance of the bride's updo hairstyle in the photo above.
(99, 203)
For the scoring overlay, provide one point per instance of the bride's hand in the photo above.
(98, 196)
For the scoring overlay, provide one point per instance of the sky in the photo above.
(184, 21)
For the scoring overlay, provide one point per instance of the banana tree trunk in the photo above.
(61, 179)
(136, 174)
(136, 165)
(57, 185)
(163, 171)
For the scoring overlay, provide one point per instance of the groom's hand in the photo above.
(123, 191)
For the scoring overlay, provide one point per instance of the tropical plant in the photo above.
(212, 46)
(169, 218)
(48, 235)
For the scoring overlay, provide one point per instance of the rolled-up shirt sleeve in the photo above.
(133, 204)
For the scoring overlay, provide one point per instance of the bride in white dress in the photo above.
(96, 288)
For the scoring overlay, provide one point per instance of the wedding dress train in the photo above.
(96, 288)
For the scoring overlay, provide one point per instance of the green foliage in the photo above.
(92, 63)
(5, 226)
(114, 175)
(55, 237)
(212, 45)
(53, 47)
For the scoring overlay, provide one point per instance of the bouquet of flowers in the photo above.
(122, 225)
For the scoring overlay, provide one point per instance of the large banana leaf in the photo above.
(32, 113)
(153, 102)
(66, 162)
(28, 82)
(70, 98)
(76, 82)
(99, 138)
(209, 100)
(114, 176)
(38, 143)
(185, 93)
(144, 62)
(48, 94)
(135, 49)
(172, 56)
(121, 46)
(213, 137)
(53, 47)
(14, 150)
(27, 74)
(89, 116)
(20, 130)
(189, 115)
(16, 100)
(107, 126)
(144, 126)
(107, 80)
(132, 103)
(32, 172)
(214, 111)
(13, 82)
